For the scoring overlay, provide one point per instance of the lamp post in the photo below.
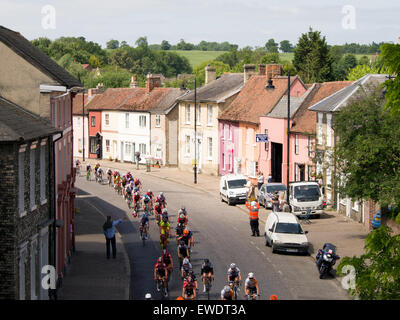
(83, 121)
(271, 87)
(195, 132)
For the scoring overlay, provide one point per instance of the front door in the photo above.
(276, 162)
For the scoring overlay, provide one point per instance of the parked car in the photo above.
(306, 196)
(266, 192)
(233, 189)
(283, 232)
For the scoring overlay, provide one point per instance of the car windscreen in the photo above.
(293, 228)
(307, 193)
(273, 188)
(236, 184)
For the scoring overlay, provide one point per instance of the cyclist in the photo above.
(251, 285)
(88, 170)
(183, 210)
(160, 272)
(150, 194)
(186, 268)
(188, 289)
(227, 293)
(144, 225)
(207, 271)
(137, 182)
(117, 182)
(128, 193)
(128, 176)
(167, 259)
(100, 173)
(146, 203)
(187, 239)
(179, 232)
(136, 201)
(96, 167)
(164, 213)
(182, 219)
(109, 176)
(165, 226)
(234, 273)
(191, 274)
(158, 211)
(161, 199)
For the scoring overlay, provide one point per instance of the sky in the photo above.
(242, 22)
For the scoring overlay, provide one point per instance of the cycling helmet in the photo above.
(157, 204)
(185, 261)
(161, 193)
(206, 261)
(144, 215)
(186, 231)
(253, 203)
(227, 289)
(233, 266)
(183, 208)
(149, 191)
(251, 275)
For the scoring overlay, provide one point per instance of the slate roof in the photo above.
(306, 120)
(218, 90)
(339, 99)
(254, 100)
(23, 47)
(18, 124)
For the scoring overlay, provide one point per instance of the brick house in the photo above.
(27, 201)
(32, 80)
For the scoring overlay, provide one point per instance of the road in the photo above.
(222, 234)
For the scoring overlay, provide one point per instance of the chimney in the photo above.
(152, 82)
(134, 83)
(248, 71)
(100, 88)
(274, 70)
(261, 69)
(211, 74)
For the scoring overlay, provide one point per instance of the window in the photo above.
(158, 120)
(142, 148)
(310, 151)
(107, 119)
(107, 145)
(127, 148)
(266, 143)
(320, 115)
(43, 174)
(32, 174)
(187, 109)
(93, 121)
(209, 115)
(127, 120)
(142, 121)
(198, 115)
(210, 146)
(33, 269)
(21, 181)
(328, 130)
(187, 145)
(296, 144)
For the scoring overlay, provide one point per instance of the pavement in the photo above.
(90, 276)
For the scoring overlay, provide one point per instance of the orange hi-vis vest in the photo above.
(253, 211)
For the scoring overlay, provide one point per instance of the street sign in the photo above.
(261, 137)
(193, 162)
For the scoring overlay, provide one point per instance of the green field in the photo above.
(196, 57)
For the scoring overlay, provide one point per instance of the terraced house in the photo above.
(325, 110)
(34, 82)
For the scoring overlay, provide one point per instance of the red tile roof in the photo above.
(304, 119)
(111, 99)
(77, 104)
(254, 100)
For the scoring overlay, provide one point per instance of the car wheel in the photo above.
(222, 199)
(266, 242)
(229, 202)
(273, 248)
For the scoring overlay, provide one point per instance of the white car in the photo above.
(232, 189)
(283, 232)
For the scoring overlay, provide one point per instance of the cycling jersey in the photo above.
(164, 227)
(227, 295)
(88, 168)
(186, 239)
(233, 273)
(167, 259)
(189, 286)
(180, 220)
(207, 269)
(183, 250)
(146, 199)
(144, 221)
(150, 194)
(137, 197)
(251, 283)
(137, 182)
(160, 268)
(158, 209)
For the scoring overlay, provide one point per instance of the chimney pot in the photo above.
(152, 82)
(248, 71)
(261, 69)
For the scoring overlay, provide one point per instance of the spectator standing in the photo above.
(260, 181)
(109, 232)
(269, 178)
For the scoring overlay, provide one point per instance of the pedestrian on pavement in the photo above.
(253, 214)
(269, 178)
(275, 202)
(260, 181)
(285, 206)
(98, 151)
(109, 232)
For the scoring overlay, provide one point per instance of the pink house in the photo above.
(243, 117)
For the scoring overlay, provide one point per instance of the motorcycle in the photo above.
(325, 259)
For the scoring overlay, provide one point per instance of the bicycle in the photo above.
(252, 296)
(143, 234)
(235, 286)
(162, 284)
(129, 200)
(88, 176)
(208, 286)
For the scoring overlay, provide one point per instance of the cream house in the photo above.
(211, 99)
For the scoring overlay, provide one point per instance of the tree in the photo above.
(142, 42)
(199, 70)
(112, 44)
(271, 45)
(367, 152)
(123, 44)
(361, 70)
(165, 45)
(312, 59)
(286, 46)
(377, 272)
(390, 55)
(271, 58)
(94, 61)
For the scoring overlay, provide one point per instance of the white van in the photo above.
(232, 189)
(283, 232)
(306, 195)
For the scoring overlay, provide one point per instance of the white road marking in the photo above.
(235, 228)
(263, 253)
(280, 272)
(252, 243)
